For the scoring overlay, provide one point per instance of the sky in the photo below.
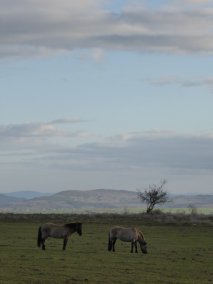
(113, 94)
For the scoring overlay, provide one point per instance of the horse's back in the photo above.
(53, 230)
(124, 234)
(48, 226)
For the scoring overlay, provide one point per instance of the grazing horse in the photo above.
(57, 231)
(132, 235)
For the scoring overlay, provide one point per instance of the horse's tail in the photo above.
(39, 238)
(109, 243)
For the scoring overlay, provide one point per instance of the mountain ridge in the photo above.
(95, 199)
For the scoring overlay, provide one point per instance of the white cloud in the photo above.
(45, 27)
(41, 136)
(36, 129)
(98, 54)
(29, 130)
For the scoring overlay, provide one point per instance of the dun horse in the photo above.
(57, 231)
(132, 235)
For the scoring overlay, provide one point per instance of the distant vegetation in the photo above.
(157, 217)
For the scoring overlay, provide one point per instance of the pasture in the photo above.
(176, 254)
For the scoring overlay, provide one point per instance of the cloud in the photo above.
(133, 152)
(50, 143)
(197, 1)
(122, 161)
(206, 82)
(48, 27)
(66, 121)
(35, 129)
(16, 137)
(29, 130)
(152, 150)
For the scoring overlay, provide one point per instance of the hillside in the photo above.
(184, 201)
(26, 194)
(9, 200)
(73, 199)
(93, 200)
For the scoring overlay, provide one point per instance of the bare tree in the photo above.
(155, 194)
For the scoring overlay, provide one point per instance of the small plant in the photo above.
(193, 209)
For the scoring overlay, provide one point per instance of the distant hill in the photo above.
(93, 200)
(184, 201)
(74, 199)
(8, 200)
(27, 194)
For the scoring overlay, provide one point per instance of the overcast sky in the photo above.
(106, 94)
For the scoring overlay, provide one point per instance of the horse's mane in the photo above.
(142, 236)
(72, 225)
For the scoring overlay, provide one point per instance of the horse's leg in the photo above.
(65, 242)
(113, 244)
(43, 244)
(109, 243)
(132, 243)
(136, 248)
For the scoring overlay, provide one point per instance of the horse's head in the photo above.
(79, 228)
(143, 246)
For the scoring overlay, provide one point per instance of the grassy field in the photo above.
(176, 254)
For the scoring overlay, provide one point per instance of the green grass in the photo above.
(177, 254)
